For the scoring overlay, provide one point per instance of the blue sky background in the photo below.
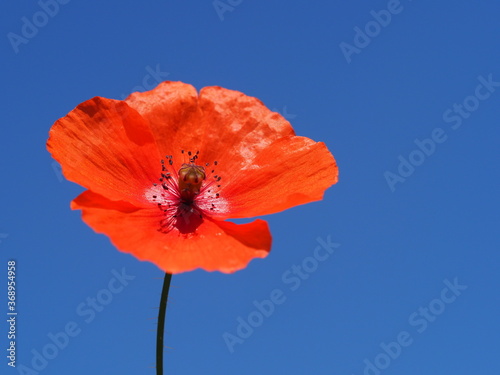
(396, 249)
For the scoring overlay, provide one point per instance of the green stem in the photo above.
(161, 324)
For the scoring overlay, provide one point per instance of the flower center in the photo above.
(191, 177)
(186, 195)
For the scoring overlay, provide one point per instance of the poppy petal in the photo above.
(106, 146)
(224, 125)
(237, 127)
(215, 246)
(171, 110)
(291, 171)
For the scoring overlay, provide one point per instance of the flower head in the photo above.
(165, 168)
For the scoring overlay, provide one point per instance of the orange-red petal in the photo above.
(215, 246)
(289, 172)
(107, 147)
(224, 125)
(237, 127)
(172, 113)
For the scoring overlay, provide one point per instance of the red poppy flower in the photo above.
(165, 168)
